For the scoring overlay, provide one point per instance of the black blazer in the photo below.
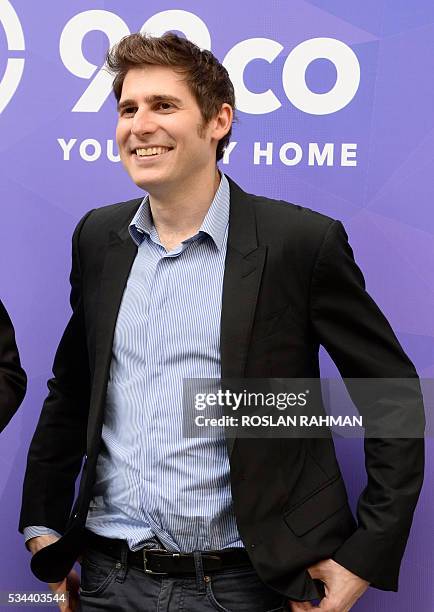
(13, 380)
(290, 284)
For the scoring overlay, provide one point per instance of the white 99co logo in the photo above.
(15, 41)
(236, 60)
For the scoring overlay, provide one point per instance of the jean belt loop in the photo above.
(200, 578)
(122, 573)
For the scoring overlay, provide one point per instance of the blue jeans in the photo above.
(108, 585)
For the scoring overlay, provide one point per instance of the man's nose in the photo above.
(143, 122)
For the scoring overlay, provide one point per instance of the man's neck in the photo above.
(179, 217)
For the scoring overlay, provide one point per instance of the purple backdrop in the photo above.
(51, 92)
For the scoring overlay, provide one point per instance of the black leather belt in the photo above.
(162, 562)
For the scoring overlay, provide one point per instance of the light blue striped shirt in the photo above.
(151, 481)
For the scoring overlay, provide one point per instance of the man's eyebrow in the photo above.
(150, 100)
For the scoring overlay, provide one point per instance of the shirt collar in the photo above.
(214, 223)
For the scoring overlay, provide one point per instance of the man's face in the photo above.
(171, 120)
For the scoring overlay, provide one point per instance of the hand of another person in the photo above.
(342, 588)
(69, 585)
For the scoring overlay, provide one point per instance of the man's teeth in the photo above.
(152, 151)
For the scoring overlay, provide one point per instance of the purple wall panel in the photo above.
(385, 201)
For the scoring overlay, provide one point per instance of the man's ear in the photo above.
(222, 122)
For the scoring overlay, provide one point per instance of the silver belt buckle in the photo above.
(145, 561)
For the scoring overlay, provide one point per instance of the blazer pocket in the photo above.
(317, 508)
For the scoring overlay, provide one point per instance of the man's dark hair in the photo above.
(207, 79)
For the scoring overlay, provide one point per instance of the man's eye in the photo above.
(128, 111)
(167, 104)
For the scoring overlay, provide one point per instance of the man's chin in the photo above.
(150, 184)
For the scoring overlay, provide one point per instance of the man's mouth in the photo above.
(152, 151)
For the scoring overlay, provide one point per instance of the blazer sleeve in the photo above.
(13, 380)
(59, 442)
(361, 342)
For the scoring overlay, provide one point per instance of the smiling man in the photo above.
(202, 280)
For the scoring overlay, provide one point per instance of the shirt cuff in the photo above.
(37, 530)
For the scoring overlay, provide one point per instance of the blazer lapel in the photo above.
(243, 272)
(120, 255)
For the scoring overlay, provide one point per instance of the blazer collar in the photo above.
(242, 220)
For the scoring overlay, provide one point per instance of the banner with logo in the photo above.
(335, 103)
